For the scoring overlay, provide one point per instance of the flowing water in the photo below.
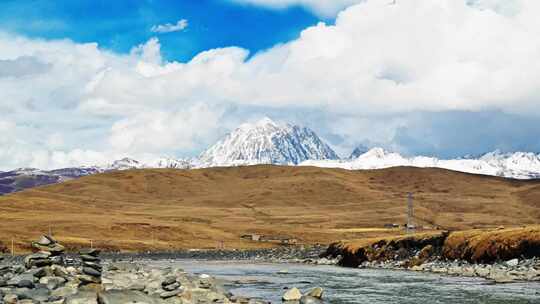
(345, 285)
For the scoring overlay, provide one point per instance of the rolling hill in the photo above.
(170, 208)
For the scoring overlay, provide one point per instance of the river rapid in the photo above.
(346, 285)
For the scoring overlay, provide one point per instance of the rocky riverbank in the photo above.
(310, 254)
(503, 256)
(50, 276)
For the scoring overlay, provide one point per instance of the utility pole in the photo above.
(410, 213)
(12, 247)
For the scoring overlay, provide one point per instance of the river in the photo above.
(346, 285)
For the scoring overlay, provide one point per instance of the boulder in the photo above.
(316, 292)
(293, 294)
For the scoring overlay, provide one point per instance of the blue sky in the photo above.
(119, 25)
(84, 82)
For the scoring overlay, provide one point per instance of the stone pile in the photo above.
(294, 295)
(42, 279)
(91, 268)
(49, 252)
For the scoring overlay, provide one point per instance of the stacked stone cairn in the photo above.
(49, 252)
(91, 266)
(43, 278)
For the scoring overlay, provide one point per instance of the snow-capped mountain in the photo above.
(519, 165)
(358, 151)
(172, 163)
(125, 163)
(267, 142)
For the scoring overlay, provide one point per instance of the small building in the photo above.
(252, 237)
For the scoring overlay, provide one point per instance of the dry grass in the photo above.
(492, 245)
(170, 209)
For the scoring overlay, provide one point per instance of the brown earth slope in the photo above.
(166, 209)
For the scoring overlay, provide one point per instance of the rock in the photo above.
(89, 258)
(11, 299)
(171, 287)
(512, 262)
(316, 292)
(25, 284)
(94, 265)
(90, 251)
(169, 280)
(54, 249)
(205, 283)
(33, 259)
(52, 282)
(21, 280)
(169, 294)
(125, 297)
(88, 279)
(64, 291)
(83, 297)
(60, 271)
(4, 269)
(310, 300)
(293, 294)
(38, 294)
(91, 271)
(43, 272)
(44, 241)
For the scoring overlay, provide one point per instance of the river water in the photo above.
(346, 285)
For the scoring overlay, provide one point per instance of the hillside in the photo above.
(168, 208)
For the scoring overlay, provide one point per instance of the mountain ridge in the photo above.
(268, 142)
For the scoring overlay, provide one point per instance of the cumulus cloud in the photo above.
(179, 26)
(325, 8)
(366, 73)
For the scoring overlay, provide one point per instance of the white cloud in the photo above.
(180, 25)
(325, 8)
(377, 59)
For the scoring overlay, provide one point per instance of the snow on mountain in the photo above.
(266, 142)
(519, 165)
(125, 163)
(358, 151)
(172, 163)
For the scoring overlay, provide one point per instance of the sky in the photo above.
(87, 82)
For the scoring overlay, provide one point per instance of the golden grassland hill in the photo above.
(164, 209)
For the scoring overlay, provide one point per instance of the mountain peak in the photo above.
(267, 142)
